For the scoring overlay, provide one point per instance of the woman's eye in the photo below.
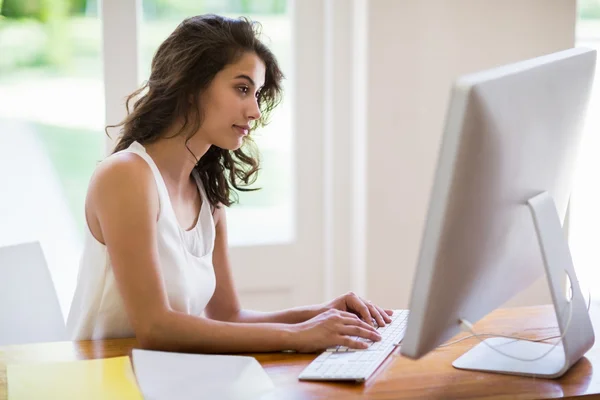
(243, 89)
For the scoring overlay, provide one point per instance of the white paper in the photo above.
(180, 376)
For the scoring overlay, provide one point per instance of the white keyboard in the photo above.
(341, 363)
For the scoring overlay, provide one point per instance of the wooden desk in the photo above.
(399, 378)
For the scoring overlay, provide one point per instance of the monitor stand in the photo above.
(579, 337)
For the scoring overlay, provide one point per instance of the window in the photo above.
(51, 127)
(584, 222)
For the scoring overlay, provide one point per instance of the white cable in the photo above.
(515, 337)
(473, 334)
(468, 325)
(496, 335)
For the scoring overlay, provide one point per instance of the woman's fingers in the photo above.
(353, 320)
(376, 314)
(357, 304)
(350, 330)
(352, 343)
(383, 314)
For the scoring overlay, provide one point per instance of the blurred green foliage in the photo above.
(46, 10)
(589, 9)
(167, 8)
(33, 33)
(50, 33)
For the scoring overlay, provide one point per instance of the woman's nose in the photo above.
(254, 111)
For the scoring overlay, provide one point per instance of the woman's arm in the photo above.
(288, 316)
(122, 210)
(225, 304)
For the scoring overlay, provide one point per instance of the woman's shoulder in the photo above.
(122, 192)
(122, 166)
(123, 173)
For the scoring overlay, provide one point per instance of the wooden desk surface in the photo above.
(399, 378)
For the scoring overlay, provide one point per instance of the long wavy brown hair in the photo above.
(182, 69)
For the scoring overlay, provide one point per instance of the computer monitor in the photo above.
(493, 226)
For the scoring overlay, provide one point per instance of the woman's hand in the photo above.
(332, 328)
(366, 310)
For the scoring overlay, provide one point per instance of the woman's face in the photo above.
(230, 103)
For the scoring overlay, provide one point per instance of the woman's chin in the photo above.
(238, 143)
(230, 142)
(232, 146)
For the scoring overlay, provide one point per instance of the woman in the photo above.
(155, 261)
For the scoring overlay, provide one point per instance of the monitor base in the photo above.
(574, 322)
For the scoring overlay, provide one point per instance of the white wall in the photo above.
(415, 50)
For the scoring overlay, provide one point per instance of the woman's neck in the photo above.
(174, 160)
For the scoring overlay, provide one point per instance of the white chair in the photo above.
(29, 308)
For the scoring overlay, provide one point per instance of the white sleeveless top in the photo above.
(97, 311)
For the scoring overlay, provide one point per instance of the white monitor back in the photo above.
(511, 133)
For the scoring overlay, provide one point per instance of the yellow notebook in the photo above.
(108, 378)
